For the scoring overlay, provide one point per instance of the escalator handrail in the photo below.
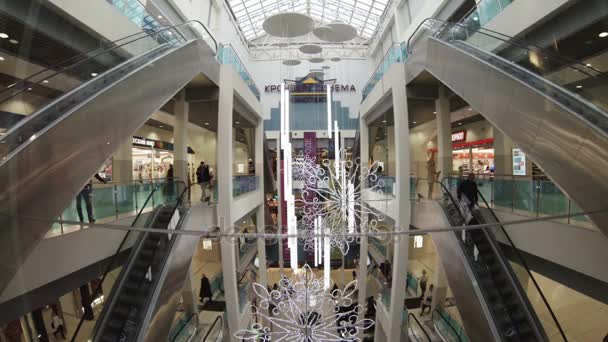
(217, 319)
(525, 265)
(419, 324)
(118, 251)
(59, 64)
(447, 323)
(511, 40)
(502, 261)
(175, 337)
(148, 34)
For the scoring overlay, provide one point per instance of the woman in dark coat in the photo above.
(205, 291)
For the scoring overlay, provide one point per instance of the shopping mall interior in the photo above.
(303, 170)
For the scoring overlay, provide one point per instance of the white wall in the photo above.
(345, 71)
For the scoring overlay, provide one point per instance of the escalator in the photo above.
(561, 125)
(48, 156)
(416, 331)
(514, 311)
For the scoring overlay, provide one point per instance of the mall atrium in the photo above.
(304, 170)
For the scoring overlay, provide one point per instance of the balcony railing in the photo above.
(244, 184)
(526, 196)
(227, 55)
(396, 54)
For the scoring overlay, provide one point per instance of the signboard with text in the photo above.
(519, 162)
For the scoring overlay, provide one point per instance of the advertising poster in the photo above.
(519, 162)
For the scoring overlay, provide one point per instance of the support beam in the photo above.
(180, 136)
(362, 271)
(444, 133)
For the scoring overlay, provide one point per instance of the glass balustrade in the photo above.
(227, 55)
(484, 12)
(395, 54)
(526, 196)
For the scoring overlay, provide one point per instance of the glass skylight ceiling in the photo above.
(363, 15)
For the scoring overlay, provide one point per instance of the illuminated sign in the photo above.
(459, 136)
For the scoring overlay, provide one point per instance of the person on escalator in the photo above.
(468, 187)
(205, 291)
(86, 194)
(426, 302)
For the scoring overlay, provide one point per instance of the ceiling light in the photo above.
(475, 18)
(470, 108)
(3, 35)
(45, 81)
(206, 124)
(434, 112)
(160, 17)
(383, 120)
(94, 74)
(460, 123)
(29, 88)
(414, 122)
(238, 122)
(588, 64)
(603, 34)
(579, 86)
(160, 126)
(108, 143)
(2, 59)
(13, 41)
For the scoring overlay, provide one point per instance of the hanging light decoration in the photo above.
(302, 309)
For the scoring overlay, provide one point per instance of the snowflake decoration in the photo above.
(301, 310)
(335, 194)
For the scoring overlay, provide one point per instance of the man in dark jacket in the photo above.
(469, 188)
(86, 194)
(205, 291)
(203, 178)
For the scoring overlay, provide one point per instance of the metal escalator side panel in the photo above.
(476, 316)
(571, 151)
(51, 169)
(161, 312)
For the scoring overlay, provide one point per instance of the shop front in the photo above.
(476, 155)
(151, 158)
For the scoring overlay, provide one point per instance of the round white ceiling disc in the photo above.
(310, 48)
(326, 67)
(316, 60)
(336, 59)
(288, 25)
(291, 62)
(317, 74)
(335, 32)
(281, 45)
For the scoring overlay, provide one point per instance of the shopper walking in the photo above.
(205, 291)
(86, 195)
(468, 187)
(423, 281)
(426, 302)
(57, 325)
(203, 177)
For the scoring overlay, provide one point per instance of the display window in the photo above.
(478, 160)
(149, 163)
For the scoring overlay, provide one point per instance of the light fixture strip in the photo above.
(337, 149)
(328, 111)
(327, 261)
(282, 118)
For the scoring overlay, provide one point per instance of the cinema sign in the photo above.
(337, 88)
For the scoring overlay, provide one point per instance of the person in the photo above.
(354, 275)
(205, 291)
(57, 324)
(370, 311)
(169, 189)
(203, 177)
(432, 175)
(86, 194)
(387, 271)
(426, 302)
(423, 281)
(468, 187)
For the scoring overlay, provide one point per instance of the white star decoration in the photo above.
(300, 310)
(335, 194)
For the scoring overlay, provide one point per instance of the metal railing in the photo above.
(244, 184)
(420, 326)
(447, 327)
(218, 320)
(190, 329)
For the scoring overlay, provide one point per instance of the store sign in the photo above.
(459, 136)
(207, 245)
(143, 142)
(519, 162)
(418, 241)
(337, 88)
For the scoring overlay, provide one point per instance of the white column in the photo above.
(402, 214)
(259, 171)
(180, 138)
(223, 175)
(122, 162)
(444, 133)
(362, 271)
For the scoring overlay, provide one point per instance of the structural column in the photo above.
(180, 141)
(260, 222)
(122, 162)
(224, 207)
(503, 149)
(402, 198)
(444, 133)
(362, 271)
